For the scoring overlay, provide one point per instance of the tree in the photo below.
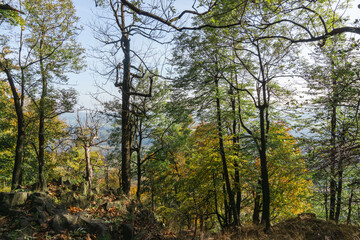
(203, 65)
(10, 14)
(7, 132)
(52, 39)
(315, 28)
(46, 50)
(334, 82)
(125, 24)
(7, 67)
(87, 135)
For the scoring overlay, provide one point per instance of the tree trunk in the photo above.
(236, 148)
(348, 220)
(339, 192)
(223, 157)
(107, 166)
(333, 151)
(265, 217)
(20, 141)
(42, 106)
(263, 104)
(125, 119)
(89, 170)
(138, 175)
(216, 204)
(340, 176)
(138, 162)
(256, 213)
(326, 201)
(226, 207)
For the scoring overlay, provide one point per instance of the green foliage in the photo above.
(289, 178)
(7, 134)
(12, 17)
(186, 179)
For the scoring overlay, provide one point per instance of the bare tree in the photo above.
(125, 73)
(87, 136)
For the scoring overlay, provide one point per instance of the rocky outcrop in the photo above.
(27, 209)
(10, 201)
(116, 204)
(75, 200)
(63, 222)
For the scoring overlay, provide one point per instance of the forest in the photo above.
(224, 120)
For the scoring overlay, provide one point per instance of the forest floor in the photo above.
(38, 216)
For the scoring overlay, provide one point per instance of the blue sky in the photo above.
(84, 82)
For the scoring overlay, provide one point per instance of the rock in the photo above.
(64, 181)
(23, 222)
(42, 202)
(306, 216)
(85, 188)
(82, 201)
(95, 226)
(19, 199)
(39, 214)
(140, 235)
(96, 189)
(11, 200)
(63, 222)
(127, 231)
(116, 204)
(71, 199)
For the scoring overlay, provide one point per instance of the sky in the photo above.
(85, 82)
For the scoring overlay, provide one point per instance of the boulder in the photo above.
(42, 202)
(64, 181)
(85, 188)
(39, 214)
(19, 199)
(9, 201)
(95, 226)
(116, 204)
(127, 231)
(72, 199)
(62, 222)
(96, 189)
(23, 222)
(306, 216)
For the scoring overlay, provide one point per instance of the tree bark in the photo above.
(223, 156)
(265, 217)
(256, 213)
(236, 148)
(138, 176)
(41, 133)
(125, 119)
(138, 162)
(89, 170)
(333, 151)
(348, 220)
(340, 180)
(20, 141)
(326, 200)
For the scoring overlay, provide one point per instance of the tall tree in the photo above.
(52, 26)
(7, 132)
(8, 66)
(202, 64)
(124, 73)
(333, 81)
